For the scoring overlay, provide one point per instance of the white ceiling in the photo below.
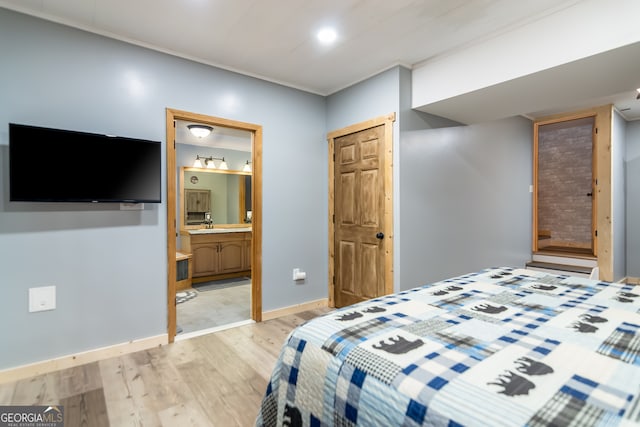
(220, 137)
(606, 78)
(275, 39)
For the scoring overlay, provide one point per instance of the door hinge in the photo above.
(596, 233)
(596, 130)
(174, 123)
(334, 218)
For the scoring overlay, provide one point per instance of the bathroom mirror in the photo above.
(225, 194)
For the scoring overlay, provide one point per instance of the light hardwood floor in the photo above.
(212, 380)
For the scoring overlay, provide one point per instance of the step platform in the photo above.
(572, 270)
(579, 266)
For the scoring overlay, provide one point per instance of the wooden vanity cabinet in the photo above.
(218, 253)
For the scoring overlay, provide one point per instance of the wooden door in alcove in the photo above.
(565, 196)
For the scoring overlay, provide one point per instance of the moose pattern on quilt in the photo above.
(498, 347)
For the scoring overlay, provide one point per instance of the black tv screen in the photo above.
(54, 165)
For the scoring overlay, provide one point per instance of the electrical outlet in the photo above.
(299, 274)
(42, 298)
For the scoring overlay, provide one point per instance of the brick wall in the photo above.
(564, 179)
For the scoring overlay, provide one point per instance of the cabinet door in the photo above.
(231, 256)
(205, 259)
(204, 200)
(190, 201)
(247, 254)
(198, 200)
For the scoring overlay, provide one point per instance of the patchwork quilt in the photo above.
(499, 347)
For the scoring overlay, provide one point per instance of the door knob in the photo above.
(589, 194)
(380, 236)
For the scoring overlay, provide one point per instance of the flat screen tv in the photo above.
(54, 165)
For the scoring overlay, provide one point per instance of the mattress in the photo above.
(498, 347)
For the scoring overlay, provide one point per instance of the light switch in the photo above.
(299, 274)
(42, 298)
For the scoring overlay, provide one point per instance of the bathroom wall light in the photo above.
(200, 131)
(209, 164)
(247, 167)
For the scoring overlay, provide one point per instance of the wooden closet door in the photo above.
(359, 216)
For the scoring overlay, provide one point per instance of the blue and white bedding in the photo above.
(501, 347)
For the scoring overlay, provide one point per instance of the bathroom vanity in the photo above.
(218, 253)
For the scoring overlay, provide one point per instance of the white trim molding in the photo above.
(73, 360)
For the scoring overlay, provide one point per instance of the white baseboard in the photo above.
(312, 305)
(72, 360)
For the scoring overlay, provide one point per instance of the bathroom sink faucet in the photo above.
(208, 222)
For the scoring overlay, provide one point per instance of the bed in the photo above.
(499, 347)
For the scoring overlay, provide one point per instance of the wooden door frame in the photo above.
(387, 121)
(603, 242)
(256, 200)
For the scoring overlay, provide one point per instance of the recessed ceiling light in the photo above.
(327, 35)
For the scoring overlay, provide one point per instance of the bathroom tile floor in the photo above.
(215, 305)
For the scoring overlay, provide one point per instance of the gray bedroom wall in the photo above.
(374, 97)
(618, 193)
(109, 266)
(409, 120)
(466, 203)
(633, 198)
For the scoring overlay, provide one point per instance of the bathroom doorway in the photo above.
(236, 255)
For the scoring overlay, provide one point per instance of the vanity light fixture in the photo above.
(223, 164)
(209, 164)
(638, 96)
(200, 131)
(247, 167)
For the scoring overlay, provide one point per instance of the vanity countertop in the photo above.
(219, 230)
